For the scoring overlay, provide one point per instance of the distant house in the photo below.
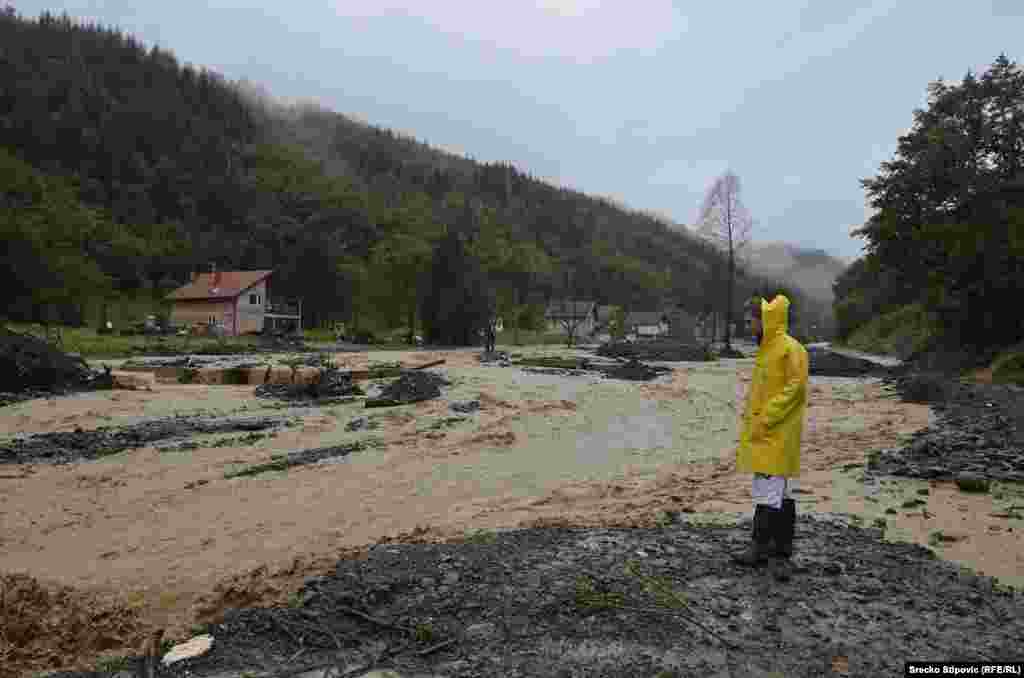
(581, 315)
(682, 325)
(646, 324)
(231, 303)
(711, 327)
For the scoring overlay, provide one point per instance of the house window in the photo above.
(213, 320)
(254, 299)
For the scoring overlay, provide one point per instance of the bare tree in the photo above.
(726, 223)
(573, 320)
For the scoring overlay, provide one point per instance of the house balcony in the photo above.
(283, 308)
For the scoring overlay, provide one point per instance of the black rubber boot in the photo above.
(785, 528)
(761, 547)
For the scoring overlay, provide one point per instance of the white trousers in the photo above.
(771, 490)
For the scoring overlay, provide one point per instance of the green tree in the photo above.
(49, 235)
(456, 307)
(948, 207)
(401, 259)
(509, 266)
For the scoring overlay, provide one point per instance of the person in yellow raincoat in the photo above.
(772, 427)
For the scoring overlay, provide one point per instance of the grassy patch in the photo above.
(87, 342)
(530, 338)
(480, 537)
(1008, 368)
(425, 632)
(322, 336)
(899, 333)
(112, 664)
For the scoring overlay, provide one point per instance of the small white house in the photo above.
(646, 325)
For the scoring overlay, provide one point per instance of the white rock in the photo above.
(195, 647)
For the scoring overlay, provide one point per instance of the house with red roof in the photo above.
(232, 303)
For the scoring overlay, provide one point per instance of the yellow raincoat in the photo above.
(773, 421)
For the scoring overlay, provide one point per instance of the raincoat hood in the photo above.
(775, 317)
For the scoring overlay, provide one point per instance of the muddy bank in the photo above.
(559, 602)
(41, 626)
(979, 431)
(655, 350)
(80, 445)
(825, 362)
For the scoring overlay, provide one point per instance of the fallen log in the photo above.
(433, 363)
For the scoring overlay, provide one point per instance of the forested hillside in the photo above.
(123, 170)
(948, 236)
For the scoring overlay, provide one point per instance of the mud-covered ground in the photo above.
(82, 445)
(979, 432)
(507, 448)
(560, 602)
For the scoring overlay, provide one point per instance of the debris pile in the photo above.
(635, 370)
(556, 363)
(412, 387)
(31, 367)
(330, 384)
(465, 407)
(927, 388)
(192, 361)
(825, 363)
(282, 462)
(668, 351)
(495, 357)
(362, 424)
(69, 446)
(978, 434)
(622, 368)
(730, 352)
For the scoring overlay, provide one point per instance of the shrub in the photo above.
(1009, 368)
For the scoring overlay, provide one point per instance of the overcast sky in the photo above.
(644, 101)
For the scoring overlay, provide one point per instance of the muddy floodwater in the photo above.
(179, 534)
